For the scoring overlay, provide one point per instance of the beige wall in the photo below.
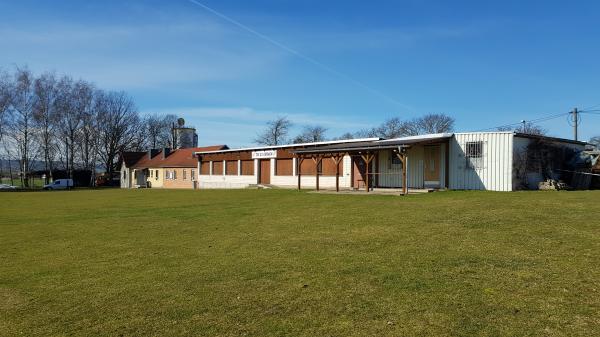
(181, 180)
(154, 180)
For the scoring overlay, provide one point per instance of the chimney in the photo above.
(165, 153)
(152, 153)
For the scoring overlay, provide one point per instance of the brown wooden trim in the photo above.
(336, 161)
(299, 171)
(317, 161)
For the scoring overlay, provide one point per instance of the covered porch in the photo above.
(416, 163)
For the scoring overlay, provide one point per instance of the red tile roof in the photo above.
(131, 158)
(176, 158)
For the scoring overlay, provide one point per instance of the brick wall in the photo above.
(177, 178)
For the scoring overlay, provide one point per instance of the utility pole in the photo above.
(575, 122)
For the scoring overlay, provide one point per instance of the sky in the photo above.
(345, 65)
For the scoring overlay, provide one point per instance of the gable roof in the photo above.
(130, 158)
(175, 158)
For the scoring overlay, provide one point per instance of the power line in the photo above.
(537, 120)
(591, 107)
(301, 55)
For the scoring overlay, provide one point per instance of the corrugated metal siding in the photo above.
(495, 169)
(392, 177)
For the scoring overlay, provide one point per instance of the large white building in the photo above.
(498, 161)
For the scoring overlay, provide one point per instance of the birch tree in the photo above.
(45, 118)
(20, 123)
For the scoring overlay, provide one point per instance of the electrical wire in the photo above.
(537, 120)
(301, 55)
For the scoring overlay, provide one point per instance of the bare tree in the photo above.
(20, 124)
(4, 100)
(71, 104)
(595, 141)
(395, 127)
(525, 127)
(46, 118)
(434, 123)
(275, 133)
(118, 119)
(87, 135)
(314, 133)
(159, 130)
(532, 129)
(345, 136)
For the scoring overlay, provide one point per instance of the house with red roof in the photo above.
(162, 168)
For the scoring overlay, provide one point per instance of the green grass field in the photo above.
(278, 262)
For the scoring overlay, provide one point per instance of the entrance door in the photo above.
(359, 170)
(431, 165)
(265, 171)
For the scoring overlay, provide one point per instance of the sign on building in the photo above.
(264, 154)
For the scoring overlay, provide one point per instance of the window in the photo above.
(124, 174)
(394, 162)
(474, 149)
(184, 175)
(474, 154)
(193, 175)
(174, 175)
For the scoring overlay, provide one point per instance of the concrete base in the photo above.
(378, 191)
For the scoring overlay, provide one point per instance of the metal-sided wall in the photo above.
(492, 172)
(391, 176)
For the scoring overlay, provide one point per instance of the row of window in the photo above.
(172, 174)
(283, 167)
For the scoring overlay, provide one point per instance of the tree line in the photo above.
(71, 124)
(277, 131)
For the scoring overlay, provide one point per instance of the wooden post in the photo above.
(402, 156)
(367, 158)
(337, 159)
(299, 171)
(404, 176)
(317, 161)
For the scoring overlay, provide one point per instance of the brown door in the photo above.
(432, 164)
(359, 170)
(265, 171)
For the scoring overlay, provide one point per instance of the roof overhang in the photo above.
(387, 144)
(289, 146)
(548, 138)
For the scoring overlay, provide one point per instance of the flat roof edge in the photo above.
(256, 148)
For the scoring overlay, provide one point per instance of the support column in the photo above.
(299, 171)
(401, 154)
(367, 158)
(317, 161)
(336, 159)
